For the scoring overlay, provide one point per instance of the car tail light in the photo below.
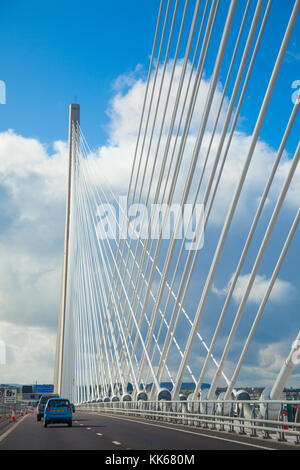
(38, 407)
(69, 408)
(48, 408)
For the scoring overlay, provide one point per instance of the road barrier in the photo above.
(12, 411)
(266, 419)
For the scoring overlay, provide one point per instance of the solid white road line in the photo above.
(6, 433)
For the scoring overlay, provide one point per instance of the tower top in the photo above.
(75, 112)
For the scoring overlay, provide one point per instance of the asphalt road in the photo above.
(111, 433)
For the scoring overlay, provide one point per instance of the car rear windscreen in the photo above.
(45, 398)
(54, 403)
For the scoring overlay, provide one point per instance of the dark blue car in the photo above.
(58, 410)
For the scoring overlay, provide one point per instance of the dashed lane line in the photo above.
(234, 441)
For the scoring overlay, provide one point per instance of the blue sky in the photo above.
(55, 51)
(96, 51)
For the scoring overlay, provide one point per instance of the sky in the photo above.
(97, 53)
(59, 52)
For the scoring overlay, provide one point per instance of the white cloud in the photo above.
(282, 290)
(115, 159)
(28, 170)
(32, 188)
(264, 367)
(32, 203)
(127, 80)
(268, 363)
(29, 353)
(30, 287)
(271, 357)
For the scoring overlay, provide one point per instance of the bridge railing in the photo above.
(266, 419)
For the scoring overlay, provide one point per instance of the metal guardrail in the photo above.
(267, 419)
(20, 407)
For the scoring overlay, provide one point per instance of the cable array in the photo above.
(141, 306)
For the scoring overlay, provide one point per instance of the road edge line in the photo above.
(6, 433)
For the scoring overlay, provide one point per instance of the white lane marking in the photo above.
(98, 433)
(89, 428)
(195, 433)
(117, 443)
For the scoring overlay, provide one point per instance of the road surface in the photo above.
(92, 431)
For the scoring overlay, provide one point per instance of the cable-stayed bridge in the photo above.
(140, 306)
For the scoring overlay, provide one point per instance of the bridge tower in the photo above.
(74, 139)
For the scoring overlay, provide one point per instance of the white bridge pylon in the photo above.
(140, 304)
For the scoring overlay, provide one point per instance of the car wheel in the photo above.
(38, 418)
(45, 424)
(70, 423)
